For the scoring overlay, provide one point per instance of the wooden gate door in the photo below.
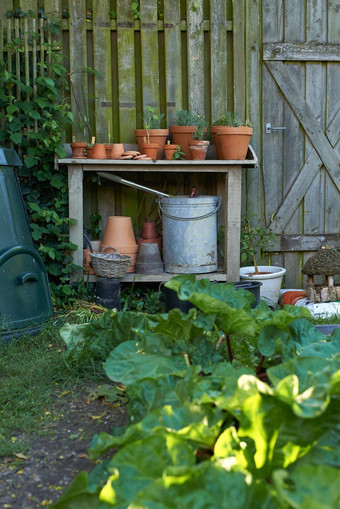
(301, 127)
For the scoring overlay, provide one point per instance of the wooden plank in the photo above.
(106, 203)
(78, 62)
(293, 139)
(42, 45)
(5, 6)
(149, 53)
(316, 30)
(308, 51)
(17, 56)
(333, 131)
(53, 9)
(75, 193)
(195, 44)
(332, 198)
(307, 119)
(219, 60)
(300, 242)
(253, 112)
(102, 81)
(273, 109)
(27, 5)
(299, 188)
(239, 54)
(314, 201)
(27, 60)
(173, 67)
(126, 71)
(233, 222)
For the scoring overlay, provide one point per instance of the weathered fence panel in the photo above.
(271, 61)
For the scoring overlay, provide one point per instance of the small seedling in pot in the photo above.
(255, 239)
(178, 155)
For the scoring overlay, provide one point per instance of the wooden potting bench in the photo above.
(228, 175)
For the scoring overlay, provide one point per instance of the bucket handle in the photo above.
(190, 218)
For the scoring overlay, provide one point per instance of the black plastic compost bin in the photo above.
(25, 299)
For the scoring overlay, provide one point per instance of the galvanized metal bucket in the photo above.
(189, 234)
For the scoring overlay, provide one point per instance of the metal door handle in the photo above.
(269, 128)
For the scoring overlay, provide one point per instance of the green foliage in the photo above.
(150, 119)
(95, 229)
(185, 118)
(255, 239)
(188, 118)
(34, 117)
(143, 299)
(202, 126)
(135, 7)
(231, 120)
(178, 155)
(209, 422)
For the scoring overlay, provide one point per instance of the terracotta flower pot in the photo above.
(234, 141)
(156, 240)
(117, 150)
(108, 149)
(149, 230)
(89, 152)
(169, 151)
(88, 269)
(151, 150)
(99, 151)
(181, 135)
(120, 235)
(158, 136)
(78, 150)
(198, 149)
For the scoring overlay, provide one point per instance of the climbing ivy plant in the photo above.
(34, 117)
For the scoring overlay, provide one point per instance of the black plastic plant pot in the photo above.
(108, 292)
(252, 287)
(172, 301)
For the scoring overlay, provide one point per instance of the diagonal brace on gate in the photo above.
(323, 152)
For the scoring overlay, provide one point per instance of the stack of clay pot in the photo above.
(150, 235)
(119, 234)
(133, 154)
(88, 269)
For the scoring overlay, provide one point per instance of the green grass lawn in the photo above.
(33, 371)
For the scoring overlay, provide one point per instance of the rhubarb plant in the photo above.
(205, 431)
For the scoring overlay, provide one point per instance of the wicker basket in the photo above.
(110, 265)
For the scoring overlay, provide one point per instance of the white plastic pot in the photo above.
(271, 278)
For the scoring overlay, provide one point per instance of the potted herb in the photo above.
(183, 130)
(256, 238)
(152, 132)
(198, 145)
(232, 136)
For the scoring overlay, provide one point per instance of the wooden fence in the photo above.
(272, 61)
(174, 55)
